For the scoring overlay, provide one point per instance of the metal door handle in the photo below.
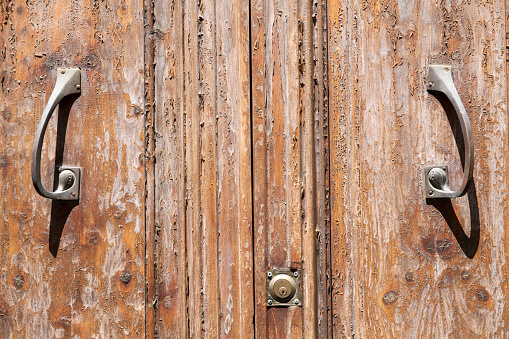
(436, 178)
(68, 82)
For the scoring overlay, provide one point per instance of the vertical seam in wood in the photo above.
(216, 162)
(308, 166)
(327, 160)
(183, 188)
(251, 104)
(149, 97)
(351, 230)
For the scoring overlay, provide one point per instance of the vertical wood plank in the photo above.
(234, 168)
(193, 161)
(259, 165)
(322, 168)
(95, 284)
(344, 165)
(150, 185)
(310, 227)
(211, 211)
(170, 170)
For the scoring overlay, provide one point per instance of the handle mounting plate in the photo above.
(431, 190)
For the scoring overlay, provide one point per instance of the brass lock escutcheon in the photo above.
(283, 287)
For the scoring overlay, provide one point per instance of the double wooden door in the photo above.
(221, 139)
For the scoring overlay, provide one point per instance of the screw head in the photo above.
(73, 194)
(62, 71)
(296, 301)
(78, 87)
(430, 193)
(269, 302)
(269, 275)
(430, 84)
(295, 274)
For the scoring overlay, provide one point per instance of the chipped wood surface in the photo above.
(398, 270)
(203, 170)
(203, 133)
(95, 286)
(290, 161)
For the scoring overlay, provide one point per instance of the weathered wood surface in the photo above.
(290, 156)
(398, 270)
(95, 286)
(204, 252)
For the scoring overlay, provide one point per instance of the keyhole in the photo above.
(282, 291)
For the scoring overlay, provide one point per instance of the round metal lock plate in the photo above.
(282, 288)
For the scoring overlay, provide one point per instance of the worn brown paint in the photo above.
(78, 292)
(210, 122)
(290, 152)
(203, 164)
(397, 269)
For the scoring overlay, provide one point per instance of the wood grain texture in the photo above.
(290, 150)
(400, 270)
(95, 286)
(203, 169)
(170, 178)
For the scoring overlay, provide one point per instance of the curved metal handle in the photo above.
(436, 178)
(68, 82)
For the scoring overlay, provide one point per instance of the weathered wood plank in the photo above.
(211, 190)
(322, 168)
(234, 168)
(344, 167)
(95, 285)
(259, 165)
(212, 70)
(170, 170)
(150, 185)
(193, 168)
(411, 277)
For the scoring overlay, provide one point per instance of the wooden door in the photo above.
(403, 268)
(210, 134)
(73, 271)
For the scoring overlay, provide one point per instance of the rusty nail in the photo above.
(125, 277)
(19, 281)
